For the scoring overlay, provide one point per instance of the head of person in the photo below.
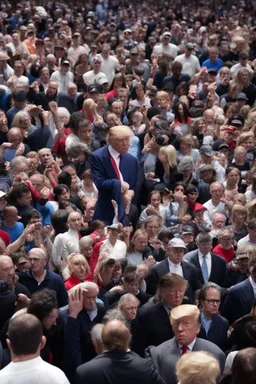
(44, 306)
(186, 143)
(128, 305)
(185, 323)
(15, 137)
(186, 166)
(61, 193)
(25, 336)
(251, 228)
(52, 89)
(7, 271)
(176, 249)
(132, 282)
(116, 336)
(74, 221)
(216, 190)
(243, 257)
(59, 221)
(218, 220)
(78, 266)
(45, 156)
(232, 176)
(122, 95)
(119, 138)
(19, 164)
(226, 238)
(240, 155)
(86, 246)
(89, 293)
(207, 173)
(20, 194)
(171, 289)
(154, 199)
(206, 153)
(209, 299)
(37, 180)
(168, 153)
(204, 242)
(139, 240)
(96, 64)
(192, 193)
(239, 214)
(246, 140)
(37, 258)
(224, 75)
(243, 367)
(152, 225)
(10, 215)
(197, 367)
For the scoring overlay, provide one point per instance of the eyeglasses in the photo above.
(212, 301)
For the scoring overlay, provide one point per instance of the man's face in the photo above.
(87, 251)
(52, 89)
(123, 96)
(11, 214)
(132, 287)
(45, 158)
(219, 222)
(185, 329)
(252, 234)
(75, 221)
(37, 183)
(205, 248)
(121, 144)
(152, 228)
(175, 254)
(65, 67)
(216, 192)
(155, 200)
(173, 296)
(25, 199)
(50, 320)
(37, 262)
(117, 108)
(211, 303)
(15, 138)
(89, 299)
(6, 270)
(85, 133)
(129, 309)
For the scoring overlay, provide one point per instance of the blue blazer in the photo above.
(239, 301)
(218, 331)
(109, 187)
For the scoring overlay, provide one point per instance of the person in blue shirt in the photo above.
(213, 62)
(10, 223)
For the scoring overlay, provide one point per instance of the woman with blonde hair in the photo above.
(197, 367)
(164, 102)
(243, 80)
(78, 269)
(166, 166)
(137, 247)
(251, 207)
(250, 123)
(186, 143)
(246, 140)
(239, 216)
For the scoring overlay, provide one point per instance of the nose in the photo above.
(180, 327)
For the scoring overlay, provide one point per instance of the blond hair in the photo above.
(170, 152)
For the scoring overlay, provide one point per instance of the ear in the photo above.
(8, 344)
(43, 342)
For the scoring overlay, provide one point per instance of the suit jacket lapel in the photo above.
(111, 173)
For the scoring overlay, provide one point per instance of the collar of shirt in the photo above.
(167, 307)
(92, 314)
(72, 232)
(206, 322)
(200, 255)
(113, 153)
(253, 284)
(190, 346)
(172, 265)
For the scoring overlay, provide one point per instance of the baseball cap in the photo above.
(76, 34)
(134, 51)
(113, 226)
(212, 70)
(242, 256)
(241, 96)
(206, 150)
(65, 61)
(190, 46)
(230, 129)
(236, 120)
(187, 229)
(127, 30)
(102, 80)
(199, 207)
(92, 88)
(177, 243)
(166, 34)
(252, 224)
(2, 193)
(219, 144)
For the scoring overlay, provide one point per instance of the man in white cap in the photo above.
(186, 326)
(114, 172)
(165, 47)
(174, 263)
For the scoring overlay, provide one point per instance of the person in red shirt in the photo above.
(225, 247)
(78, 268)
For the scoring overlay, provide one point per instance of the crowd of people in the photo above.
(127, 192)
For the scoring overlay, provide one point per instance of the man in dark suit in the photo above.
(216, 265)
(215, 326)
(185, 325)
(117, 364)
(114, 172)
(153, 325)
(241, 296)
(175, 264)
(83, 312)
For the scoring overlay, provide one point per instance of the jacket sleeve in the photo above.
(99, 177)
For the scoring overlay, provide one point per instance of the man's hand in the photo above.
(124, 187)
(75, 302)
(53, 107)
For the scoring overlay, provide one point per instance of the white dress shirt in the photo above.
(253, 284)
(208, 259)
(63, 245)
(175, 268)
(116, 157)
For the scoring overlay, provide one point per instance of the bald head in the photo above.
(6, 269)
(115, 335)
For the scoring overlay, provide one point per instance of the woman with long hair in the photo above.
(182, 118)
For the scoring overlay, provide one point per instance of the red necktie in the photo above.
(115, 167)
(185, 348)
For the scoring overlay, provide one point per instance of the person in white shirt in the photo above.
(206, 154)
(165, 47)
(154, 207)
(190, 63)
(250, 239)
(215, 204)
(63, 76)
(243, 63)
(76, 49)
(109, 63)
(25, 341)
(116, 248)
(95, 74)
(66, 243)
